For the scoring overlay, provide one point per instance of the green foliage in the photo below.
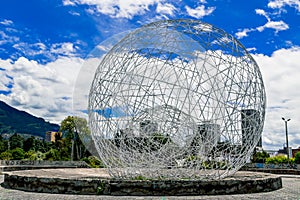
(3, 144)
(93, 162)
(260, 157)
(68, 127)
(140, 177)
(101, 187)
(279, 159)
(35, 149)
(297, 158)
(29, 144)
(32, 155)
(52, 154)
(16, 141)
(6, 155)
(292, 160)
(17, 154)
(71, 127)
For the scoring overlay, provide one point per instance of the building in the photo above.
(250, 125)
(284, 151)
(207, 136)
(50, 136)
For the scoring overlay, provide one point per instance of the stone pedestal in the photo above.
(97, 181)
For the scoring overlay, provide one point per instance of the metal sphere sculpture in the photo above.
(176, 99)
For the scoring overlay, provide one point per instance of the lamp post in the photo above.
(287, 139)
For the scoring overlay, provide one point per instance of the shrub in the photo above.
(6, 155)
(93, 162)
(297, 158)
(279, 159)
(17, 154)
(52, 154)
(260, 157)
(32, 155)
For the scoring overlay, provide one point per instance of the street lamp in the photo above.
(287, 139)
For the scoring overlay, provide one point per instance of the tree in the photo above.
(29, 144)
(52, 154)
(71, 127)
(16, 141)
(17, 154)
(3, 144)
(34, 155)
(297, 158)
(260, 157)
(68, 127)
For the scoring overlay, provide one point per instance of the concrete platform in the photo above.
(97, 181)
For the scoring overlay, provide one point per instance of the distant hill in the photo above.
(16, 121)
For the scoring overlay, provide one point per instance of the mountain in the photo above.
(16, 121)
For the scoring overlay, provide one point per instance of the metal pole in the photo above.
(287, 138)
(287, 142)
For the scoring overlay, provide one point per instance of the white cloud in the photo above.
(43, 90)
(279, 4)
(165, 9)
(116, 8)
(66, 48)
(6, 22)
(243, 33)
(31, 49)
(5, 38)
(68, 3)
(276, 25)
(281, 77)
(260, 12)
(200, 11)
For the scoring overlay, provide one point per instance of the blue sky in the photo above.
(43, 44)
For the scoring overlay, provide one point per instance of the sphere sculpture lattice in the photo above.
(176, 99)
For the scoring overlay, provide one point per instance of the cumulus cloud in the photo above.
(279, 4)
(281, 78)
(276, 25)
(165, 9)
(117, 9)
(243, 33)
(30, 49)
(7, 38)
(66, 48)
(200, 11)
(41, 89)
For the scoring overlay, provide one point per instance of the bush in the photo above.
(260, 157)
(6, 155)
(297, 158)
(17, 154)
(93, 162)
(279, 159)
(32, 155)
(52, 154)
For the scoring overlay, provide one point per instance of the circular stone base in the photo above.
(97, 181)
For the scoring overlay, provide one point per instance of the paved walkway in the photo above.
(290, 191)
